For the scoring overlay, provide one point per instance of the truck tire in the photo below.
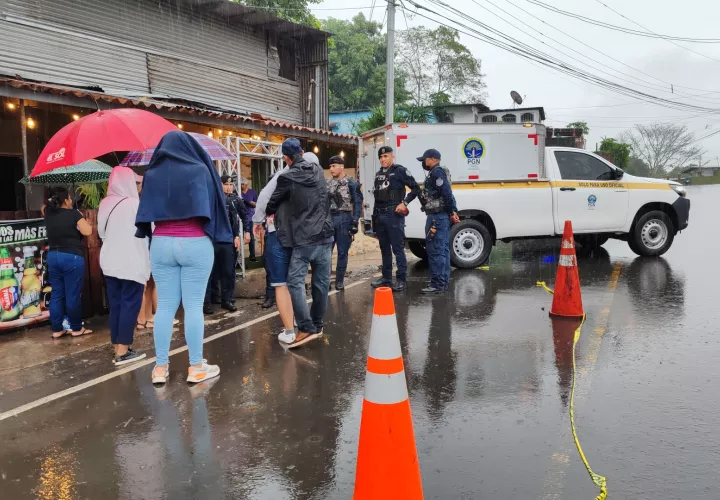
(417, 248)
(470, 244)
(652, 235)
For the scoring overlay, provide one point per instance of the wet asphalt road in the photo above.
(489, 377)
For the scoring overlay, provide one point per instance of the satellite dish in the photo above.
(516, 98)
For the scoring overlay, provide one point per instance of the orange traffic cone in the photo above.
(567, 300)
(387, 465)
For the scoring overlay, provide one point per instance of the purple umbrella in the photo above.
(216, 151)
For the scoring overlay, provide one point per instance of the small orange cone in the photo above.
(567, 300)
(387, 465)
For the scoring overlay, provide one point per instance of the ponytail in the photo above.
(58, 195)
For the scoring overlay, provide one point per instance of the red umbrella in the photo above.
(100, 133)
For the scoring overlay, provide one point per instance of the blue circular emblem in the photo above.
(473, 148)
(591, 200)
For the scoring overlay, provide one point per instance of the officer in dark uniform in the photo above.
(345, 208)
(226, 255)
(439, 206)
(389, 216)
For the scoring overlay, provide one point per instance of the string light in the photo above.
(342, 154)
(76, 117)
(210, 134)
(316, 150)
(11, 106)
(230, 132)
(219, 131)
(30, 123)
(180, 126)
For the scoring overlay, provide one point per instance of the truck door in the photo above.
(588, 193)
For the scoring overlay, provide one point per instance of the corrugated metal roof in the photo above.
(154, 102)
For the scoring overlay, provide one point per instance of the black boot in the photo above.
(269, 302)
(339, 285)
(229, 306)
(381, 282)
(208, 309)
(431, 290)
(398, 286)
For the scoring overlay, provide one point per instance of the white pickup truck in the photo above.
(509, 186)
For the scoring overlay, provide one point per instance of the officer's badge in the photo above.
(439, 182)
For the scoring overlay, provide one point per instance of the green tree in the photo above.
(581, 125)
(357, 63)
(638, 167)
(618, 151)
(297, 11)
(434, 63)
(403, 114)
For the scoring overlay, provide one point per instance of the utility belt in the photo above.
(385, 210)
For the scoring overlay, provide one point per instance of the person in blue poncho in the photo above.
(182, 196)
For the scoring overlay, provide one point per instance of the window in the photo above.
(489, 119)
(281, 57)
(509, 118)
(582, 167)
(527, 118)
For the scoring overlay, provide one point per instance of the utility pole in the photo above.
(390, 73)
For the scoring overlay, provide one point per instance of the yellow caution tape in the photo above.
(542, 284)
(600, 481)
(483, 268)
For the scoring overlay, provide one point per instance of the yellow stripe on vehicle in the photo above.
(457, 185)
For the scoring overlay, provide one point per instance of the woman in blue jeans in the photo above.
(66, 262)
(182, 195)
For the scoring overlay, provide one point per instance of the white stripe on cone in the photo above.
(567, 244)
(567, 260)
(385, 389)
(384, 338)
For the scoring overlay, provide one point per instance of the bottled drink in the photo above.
(31, 287)
(10, 307)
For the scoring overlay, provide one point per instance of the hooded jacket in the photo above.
(181, 183)
(123, 256)
(301, 206)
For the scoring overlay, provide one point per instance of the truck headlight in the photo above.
(681, 191)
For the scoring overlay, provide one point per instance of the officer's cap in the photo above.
(337, 160)
(430, 153)
(225, 179)
(384, 150)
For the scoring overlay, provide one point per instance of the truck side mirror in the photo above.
(619, 172)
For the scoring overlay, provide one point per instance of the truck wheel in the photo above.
(470, 244)
(652, 235)
(418, 249)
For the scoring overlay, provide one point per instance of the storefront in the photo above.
(31, 113)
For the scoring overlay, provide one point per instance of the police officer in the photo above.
(226, 255)
(345, 208)
(389, 216)
(439, 206)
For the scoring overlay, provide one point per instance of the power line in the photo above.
(669, 84)
(652, 86)
(531, 53)
(629, 31)
(665, 38)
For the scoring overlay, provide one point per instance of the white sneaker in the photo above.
(286, 338)
(160, 374)
(204, 372)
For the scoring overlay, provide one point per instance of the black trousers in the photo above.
(224, 273)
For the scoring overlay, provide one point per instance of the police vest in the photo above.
(434, 202)
(339, 192)
(383, 193)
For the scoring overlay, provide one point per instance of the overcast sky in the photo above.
(658, 62)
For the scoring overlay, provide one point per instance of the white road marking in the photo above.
(109, 376)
